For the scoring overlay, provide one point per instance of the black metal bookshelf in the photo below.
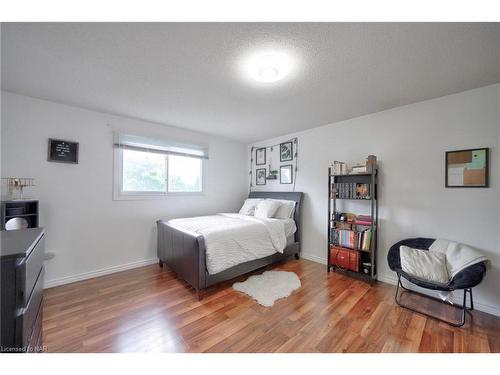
(344, 187)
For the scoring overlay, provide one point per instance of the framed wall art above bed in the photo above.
(260, 156)
(260, 176)
(286, 174)
(286, 151)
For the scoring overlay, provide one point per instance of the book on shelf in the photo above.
(366, 240)
(338, 168)
(364, 220)
(351, 190)
(357, 240)
(360, 168)
(365, 223)
(363, 217)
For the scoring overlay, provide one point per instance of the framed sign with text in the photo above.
(63, 151)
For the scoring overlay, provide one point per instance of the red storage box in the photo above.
(344, 258)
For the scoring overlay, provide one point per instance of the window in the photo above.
(143, 171)
(184, 174)
(155, 169)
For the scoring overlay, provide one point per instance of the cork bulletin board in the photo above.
(467, 168)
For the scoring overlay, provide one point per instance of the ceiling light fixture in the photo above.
(268, 67)
(268, 72)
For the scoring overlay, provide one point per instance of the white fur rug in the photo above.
(269, 286)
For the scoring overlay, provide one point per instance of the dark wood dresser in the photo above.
(22, 276)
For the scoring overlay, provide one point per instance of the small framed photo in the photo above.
(467, 168)
(260, 176)
(286, 151)
(286, 174)
(260, 156)
(362, 191)
(62, 151)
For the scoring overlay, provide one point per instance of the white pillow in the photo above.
(286, 209)
(266, 209)
(249, 205)
(424, 264)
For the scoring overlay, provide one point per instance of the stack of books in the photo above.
(345, 238)
(358, 168)
(351, 190)
(358, 240)
(338, 168)
(364, 220)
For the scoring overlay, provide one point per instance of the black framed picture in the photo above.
(260, 176)
(286, 174)
(63, 151)
(286, 151)
(467, 168)
(260, 156)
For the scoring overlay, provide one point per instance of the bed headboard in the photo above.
(289, 195)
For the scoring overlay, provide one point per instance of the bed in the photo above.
(184, 250)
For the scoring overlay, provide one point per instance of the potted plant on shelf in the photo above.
(273, 175)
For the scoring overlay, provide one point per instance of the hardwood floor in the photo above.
(148, 309)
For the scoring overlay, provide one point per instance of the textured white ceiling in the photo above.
(188, 74)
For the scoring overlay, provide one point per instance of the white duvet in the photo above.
(231, 239)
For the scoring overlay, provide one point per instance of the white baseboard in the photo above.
(391, 279)
(101, 272)
(313, 258)
(486, 308)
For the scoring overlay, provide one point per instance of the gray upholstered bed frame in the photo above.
(184, 251)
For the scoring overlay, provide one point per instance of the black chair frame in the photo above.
(463, 306)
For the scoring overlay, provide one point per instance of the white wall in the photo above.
(86, 229)
(410, 143)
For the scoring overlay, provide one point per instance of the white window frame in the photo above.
(120, 194)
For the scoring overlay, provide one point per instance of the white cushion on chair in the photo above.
(425, 265)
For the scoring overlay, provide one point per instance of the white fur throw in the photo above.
(269, 286)
(458, 256)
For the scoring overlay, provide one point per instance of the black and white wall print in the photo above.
(286, 151)
(286, 174)
(260, 176)
(260, 156)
